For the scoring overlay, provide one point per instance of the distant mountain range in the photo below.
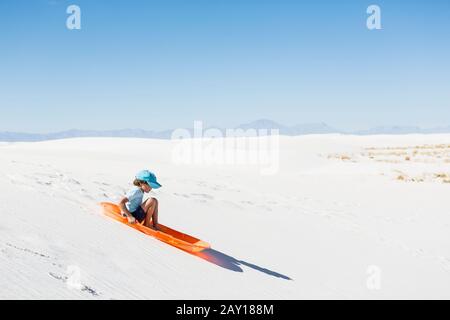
(301, 129)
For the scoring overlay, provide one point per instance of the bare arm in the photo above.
(124, 209)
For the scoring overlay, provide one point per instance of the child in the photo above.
(132, 206)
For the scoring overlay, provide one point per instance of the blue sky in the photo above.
(163, 64)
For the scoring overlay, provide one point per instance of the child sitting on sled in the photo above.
(132, 206)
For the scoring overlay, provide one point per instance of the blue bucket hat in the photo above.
(148, 177)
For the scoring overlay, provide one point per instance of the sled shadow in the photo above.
(225, 261)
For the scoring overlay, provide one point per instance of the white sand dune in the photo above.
(316, 229)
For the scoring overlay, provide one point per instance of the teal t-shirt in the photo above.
(134, 197)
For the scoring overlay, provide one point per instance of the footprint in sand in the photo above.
(83, 287)
(29, 251)
(181, 195)
(102, 183)
(203, 195)
(445, 262)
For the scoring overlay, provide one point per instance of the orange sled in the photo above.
(167, 235)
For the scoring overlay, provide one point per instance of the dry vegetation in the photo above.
(421, 154)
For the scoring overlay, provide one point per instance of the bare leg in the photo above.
(150, 208)
(155, 216)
